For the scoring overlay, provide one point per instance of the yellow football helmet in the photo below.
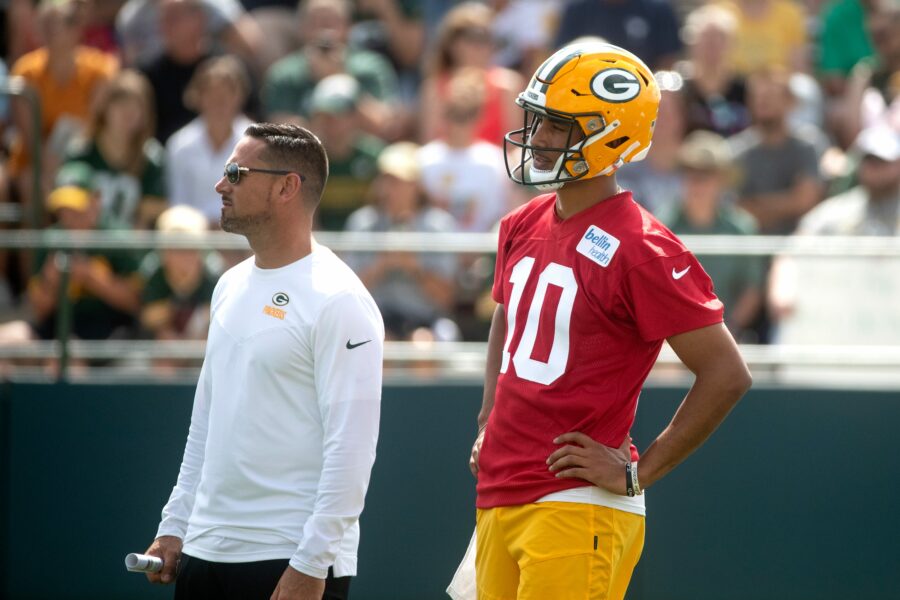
(605, 91)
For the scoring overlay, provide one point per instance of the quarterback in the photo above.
(589, 285)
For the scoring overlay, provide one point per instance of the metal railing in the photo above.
(455, 359)
(476, 243)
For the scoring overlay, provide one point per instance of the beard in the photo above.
(245, 224)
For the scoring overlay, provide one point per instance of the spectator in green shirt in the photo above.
(705, 161)
(325, 26)
(127, 161)
(843, 42)
(104, 286)
(352, 153)
(180, 282)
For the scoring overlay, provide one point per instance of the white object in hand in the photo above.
(143, 563)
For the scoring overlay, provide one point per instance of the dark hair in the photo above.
(294, 148)
(223, 68)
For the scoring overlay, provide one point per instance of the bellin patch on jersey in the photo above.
(598, 245)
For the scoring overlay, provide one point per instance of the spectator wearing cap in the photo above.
(707, 208)
(412, 291)
(873, 206)
(352, 153)
(806, 291)
(180, 282)
(325, 27)
(104, 286)
(198, 151)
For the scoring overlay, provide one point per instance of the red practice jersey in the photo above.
(589, 301)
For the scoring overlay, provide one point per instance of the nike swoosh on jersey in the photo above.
(352, 346)
(680, 274)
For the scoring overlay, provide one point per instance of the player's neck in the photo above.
(577, 196)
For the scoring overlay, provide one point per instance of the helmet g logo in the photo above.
(615, 85)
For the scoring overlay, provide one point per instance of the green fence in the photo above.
(793, 498)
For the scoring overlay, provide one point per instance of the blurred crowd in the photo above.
(778, 117)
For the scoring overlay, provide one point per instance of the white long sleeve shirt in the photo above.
(285, 419)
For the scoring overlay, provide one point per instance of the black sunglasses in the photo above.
(233, 172)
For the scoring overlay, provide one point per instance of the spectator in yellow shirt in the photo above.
(770, 33)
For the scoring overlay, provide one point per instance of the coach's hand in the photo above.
(295, 585)
(168, 548)
(583, 458)
(476, 452)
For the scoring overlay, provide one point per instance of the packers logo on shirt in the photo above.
(280, 299)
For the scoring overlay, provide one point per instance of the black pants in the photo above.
(203, 580)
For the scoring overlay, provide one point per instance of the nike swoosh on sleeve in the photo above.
(352, 346)
(680, 274)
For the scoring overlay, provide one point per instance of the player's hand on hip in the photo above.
(581, 457)
(295, 585)
(168, 548)
(476, 452)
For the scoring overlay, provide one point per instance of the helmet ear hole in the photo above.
(617, 142)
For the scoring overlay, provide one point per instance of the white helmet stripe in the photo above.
(553, 65)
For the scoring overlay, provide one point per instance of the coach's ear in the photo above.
(291, 188)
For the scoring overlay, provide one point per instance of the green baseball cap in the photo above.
(335, 94)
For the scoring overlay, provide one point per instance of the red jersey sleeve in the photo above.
(499, 267)
(668, 295)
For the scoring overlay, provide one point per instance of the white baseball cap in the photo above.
(880, 141)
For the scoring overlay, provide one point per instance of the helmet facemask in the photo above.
(606, 92)
(570, 164)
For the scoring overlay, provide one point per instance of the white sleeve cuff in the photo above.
(307, 568)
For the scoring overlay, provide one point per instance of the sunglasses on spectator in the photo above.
(326, 44)
(234, 171)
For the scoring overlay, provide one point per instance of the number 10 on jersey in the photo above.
(526, 367)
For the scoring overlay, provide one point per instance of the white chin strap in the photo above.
(536, 176)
